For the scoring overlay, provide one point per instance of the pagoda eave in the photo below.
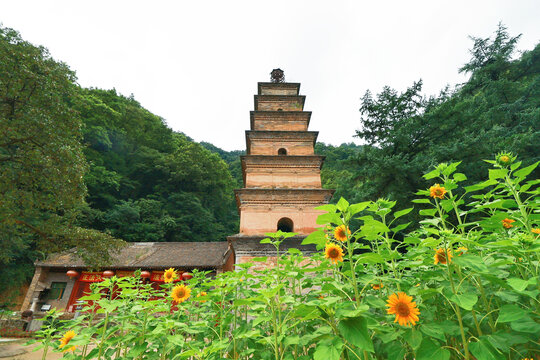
(281, 161)
(253, 196)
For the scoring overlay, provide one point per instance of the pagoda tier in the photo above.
(261, 210)
(277, 171)
(280, 120)
(289, 142)
(268, 88)
(279, 102)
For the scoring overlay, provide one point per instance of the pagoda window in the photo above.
(285, 225)
(282, 151)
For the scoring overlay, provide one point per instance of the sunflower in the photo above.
(180, 293)
(66, 339)
(202, 293)
(333, 252)
(441, 256)
(536, 230)
(507, 223)
(169, 275)
(461, 250)
(340, 233)
(437, 191)
(505, 159)
(404, 308)
(377, 286)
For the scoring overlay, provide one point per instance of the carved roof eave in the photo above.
(283, 196)
(281, 135)
(272, 161)
(274, 116)
(278, 86)
(298, 98)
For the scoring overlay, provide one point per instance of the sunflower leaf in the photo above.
(400, 213)
(510, 312)
(466, 301)
(355, 331)
(430, 350)
(329, 349)
(517, 284)
(483, 350)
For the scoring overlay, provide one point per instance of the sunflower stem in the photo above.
(353, 269)
(486, 304)
(521, 206)
(478, 330)
(458, 311)
(103, 335)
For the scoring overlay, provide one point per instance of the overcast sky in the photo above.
(197, 63)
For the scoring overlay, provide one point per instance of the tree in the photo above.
(41, 160)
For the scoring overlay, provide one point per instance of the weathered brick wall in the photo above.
(263, 219)
(279, 104)
(280, 125)
(274, 91)
(39, 276)
(271, 147)
(308, 178)
(280, 120)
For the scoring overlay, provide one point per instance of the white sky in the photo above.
(197, 63)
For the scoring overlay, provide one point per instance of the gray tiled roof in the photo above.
(154, 255)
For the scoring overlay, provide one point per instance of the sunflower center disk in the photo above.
(403, 309)
(334, 253)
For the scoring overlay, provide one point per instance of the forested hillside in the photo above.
(146, 182)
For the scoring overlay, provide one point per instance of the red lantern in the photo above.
(186, 276)
(145, 274)
(72, 273)
(108, 273)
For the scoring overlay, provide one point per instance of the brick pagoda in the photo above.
(282, 180)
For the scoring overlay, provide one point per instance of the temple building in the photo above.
(61, 279)
(282, 174)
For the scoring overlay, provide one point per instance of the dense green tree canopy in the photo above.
(496, 110)
(41, 157)
(146, 182)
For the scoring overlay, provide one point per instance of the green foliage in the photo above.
(497, 108)
(481, 302)
(148, 183)
(232, 158)
(340, 170)
(41, 159)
